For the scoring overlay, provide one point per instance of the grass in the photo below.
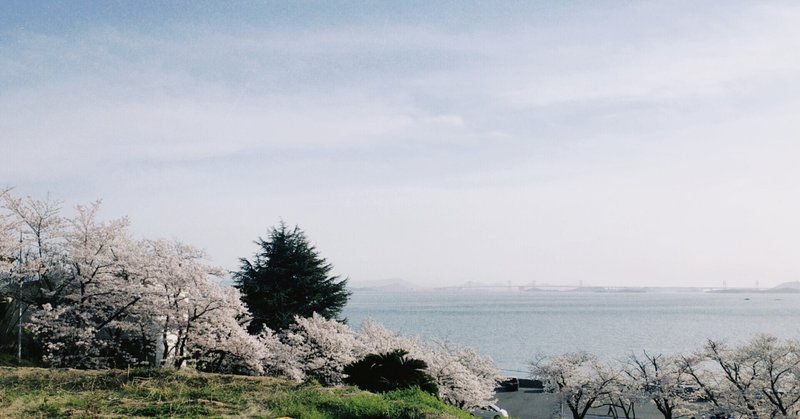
(47, 393)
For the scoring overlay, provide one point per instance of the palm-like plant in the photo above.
(390, 371)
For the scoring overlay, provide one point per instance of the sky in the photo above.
(609, 143)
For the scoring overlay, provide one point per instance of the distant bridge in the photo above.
(517, 287)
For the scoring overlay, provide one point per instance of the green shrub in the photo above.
(391, 371)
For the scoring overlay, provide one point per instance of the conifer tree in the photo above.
(288, 278)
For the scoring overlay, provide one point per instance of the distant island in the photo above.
(792, 287)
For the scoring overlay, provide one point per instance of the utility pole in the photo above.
(19, 336)
(19, 304)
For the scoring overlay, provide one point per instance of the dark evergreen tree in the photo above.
(390, 371)
(288, 278)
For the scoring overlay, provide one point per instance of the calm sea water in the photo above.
(514, 327)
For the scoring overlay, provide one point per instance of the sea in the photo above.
(516, 327)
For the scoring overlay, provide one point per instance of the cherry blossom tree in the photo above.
(30, 255)
(33, 247)
(464, 378)
(376, 338)
(737, 379)
(580, 379)
(759, 379)
(705, 382)
(100, 299)
(197, 320)
(778, 373)
(7, 239)
(279, 358)
(7, 259)
(662, 380)
(221, 341)
(87, 321)
(318, 348)
(622, 398)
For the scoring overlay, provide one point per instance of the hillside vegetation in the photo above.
(80, 291)
(39, 392)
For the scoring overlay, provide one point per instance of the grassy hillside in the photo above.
(38, 392)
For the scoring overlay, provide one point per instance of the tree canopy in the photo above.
(92, 296)
(288, 278)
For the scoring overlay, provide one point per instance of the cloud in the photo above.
(107, 97)
(641, 143)
(196, 126)
(741, 51)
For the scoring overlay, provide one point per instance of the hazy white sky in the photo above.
(615, 143)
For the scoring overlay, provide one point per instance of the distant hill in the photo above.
(384, 285)
(792, 286)
(785, 288)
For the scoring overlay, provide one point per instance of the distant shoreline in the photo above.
(399, 285)
(559, 289)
